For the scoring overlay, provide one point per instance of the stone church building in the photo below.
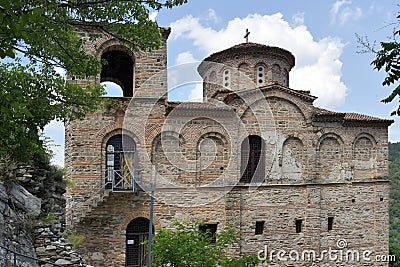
(256, 155)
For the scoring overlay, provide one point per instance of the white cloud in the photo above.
(212, 16)
(341, 11)
(184, 78)
(318, 66)
(298, 18)
(337, 5)
(185, 57)
(153, 15)
(196, 94)
(350, 14)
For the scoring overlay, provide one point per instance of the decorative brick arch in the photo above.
(329, 135)
(296, 101)
(145, 214)
(243, 64)
(244, 68)
(288, 112)
(155, 142)
(365, 135)
(276, 72)
(247, 106)
(110, 130)
(113, 45)
(218, 135)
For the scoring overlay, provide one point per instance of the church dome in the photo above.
(245, 65)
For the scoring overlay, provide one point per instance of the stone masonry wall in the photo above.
(32, 218)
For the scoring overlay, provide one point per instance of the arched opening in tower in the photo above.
(112, 89)
(119, 70)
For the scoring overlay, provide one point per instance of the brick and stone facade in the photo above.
(320, 176)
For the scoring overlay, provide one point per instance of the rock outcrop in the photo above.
(32, 218)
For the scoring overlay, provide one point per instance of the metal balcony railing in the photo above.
(120, 180)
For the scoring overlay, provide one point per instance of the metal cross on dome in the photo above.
(247, 35)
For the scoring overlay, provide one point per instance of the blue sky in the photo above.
(320, 34)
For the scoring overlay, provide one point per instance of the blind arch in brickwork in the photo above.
(329, 157)
(364, 156)
(292, 159)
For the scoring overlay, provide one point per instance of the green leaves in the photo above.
(45, 30)
(388, 58)
(187, 246)
(31, 97)
(45, 33)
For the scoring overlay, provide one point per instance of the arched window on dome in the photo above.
(118, 68)
(260, 75)
(226, 78)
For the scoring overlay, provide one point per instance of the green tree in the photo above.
(387, 57)
(187, 246)
(43, 32)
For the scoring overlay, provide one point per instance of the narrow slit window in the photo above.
(330, 223)
(259, 227)
(299, 226)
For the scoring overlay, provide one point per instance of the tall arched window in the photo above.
(252, 167)
(118, 68)
(137, 232)
(120, 162)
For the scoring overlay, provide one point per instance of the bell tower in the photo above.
(129, 68)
